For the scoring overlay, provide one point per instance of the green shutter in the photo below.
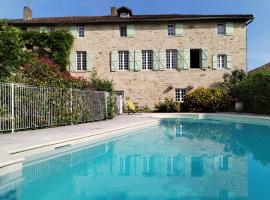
(229, 61)
(214, 61)
(74, 31)
(229, 28)
(180, 59)
(186, 59)
(131, 60)
(162, 60)
(73, 61)
(204, 58)
(179, 29)
(114, 61)
(130, 30)
(43, 29)
(88, 61)
(138, 60)
(155, 60)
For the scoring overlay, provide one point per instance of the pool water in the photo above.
(179, 159)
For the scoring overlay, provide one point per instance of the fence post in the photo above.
(106, 94)
(71, 105)
(12, 108)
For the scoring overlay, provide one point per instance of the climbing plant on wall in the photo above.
(56, 45)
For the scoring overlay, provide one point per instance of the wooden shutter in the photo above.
(216, 162)
(179, 29)
(130, 30)
(88, 61)
(43, 29)
(204, 58)
(229, 28)
(186, 60)
(180, 59)
(114, 61)
(230, 162)
(214, 61)
(73, 61)
(229, 61)
(155, 60)
(131, 59)
(138, 60)
(74, 31)
(162, 60)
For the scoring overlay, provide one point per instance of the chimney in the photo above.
(27, 13)
(114, 11)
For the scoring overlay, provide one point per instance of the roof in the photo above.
(260, 68)
(115, 19)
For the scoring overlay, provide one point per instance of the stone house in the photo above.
(151, 57)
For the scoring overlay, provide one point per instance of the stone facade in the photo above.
(148, 87)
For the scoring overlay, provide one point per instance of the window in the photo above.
(179, 130)
(224, 163)
(171, 59)
(171, 29)
(81, 60)
(123, 60)
(147, 59)
(124, 165)
(81, 31)
(173, 168)
(180, 94)
(123, 31)
(221, 29)
(148, 166)
(222, 61)
(51, 29)
(197, 168)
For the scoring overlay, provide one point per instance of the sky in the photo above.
(258, 30)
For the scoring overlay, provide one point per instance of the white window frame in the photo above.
(81, 60)
(147, 165)
(219, 25)
(147, 59)
(123, 58)
(171, 29)
(171, 59)
(222, 61)
(51, 29)
(81, 31)
(123, 30)
(180, 94)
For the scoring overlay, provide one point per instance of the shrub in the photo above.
(206, 100)
(169, 105)
(254, 92)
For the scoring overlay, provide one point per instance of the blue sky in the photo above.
(258, 31)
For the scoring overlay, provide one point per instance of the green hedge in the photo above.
(169, 105)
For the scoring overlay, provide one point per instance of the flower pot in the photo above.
(239, 107)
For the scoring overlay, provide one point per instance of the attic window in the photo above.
(124, 14)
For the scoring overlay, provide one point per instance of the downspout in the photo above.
(248, 22)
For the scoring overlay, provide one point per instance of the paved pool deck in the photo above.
(16, 146)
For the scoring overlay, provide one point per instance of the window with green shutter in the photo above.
(138, 60)
(74, 31)
(229, 61)
(229, 28)
(159, 60)
(72, 61)
(131, 60)
(214, 61)
(183, 59)
(89, 61)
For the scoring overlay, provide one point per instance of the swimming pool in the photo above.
(200, 159)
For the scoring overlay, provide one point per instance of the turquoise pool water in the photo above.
(186, 159)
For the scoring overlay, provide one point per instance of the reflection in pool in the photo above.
(180, 159)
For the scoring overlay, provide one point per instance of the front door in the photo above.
(120, 95)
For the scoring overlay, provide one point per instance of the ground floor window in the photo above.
(171, 58)
(222, 61)
(180, 94)
(123, 60)
(147, 59)
(81, 60)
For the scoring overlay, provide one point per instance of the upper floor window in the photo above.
(51, 29)
(123, 60)
(180, 94)
(147, 59)
(81, 60)
(171, 58)
(123, 31)
(221, 29)
(221, 61)
(81, 31)
(171, 29)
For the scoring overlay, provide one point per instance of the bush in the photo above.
(207, 100)
(169, 105)
(254, 92)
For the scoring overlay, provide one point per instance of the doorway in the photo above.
(195, 58)
(120, 101)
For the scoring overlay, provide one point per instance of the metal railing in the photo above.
(25, 107)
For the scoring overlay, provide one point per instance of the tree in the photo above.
(12, 53)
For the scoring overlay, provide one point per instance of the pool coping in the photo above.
(15, 162)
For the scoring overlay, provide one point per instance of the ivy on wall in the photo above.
(57, 45)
